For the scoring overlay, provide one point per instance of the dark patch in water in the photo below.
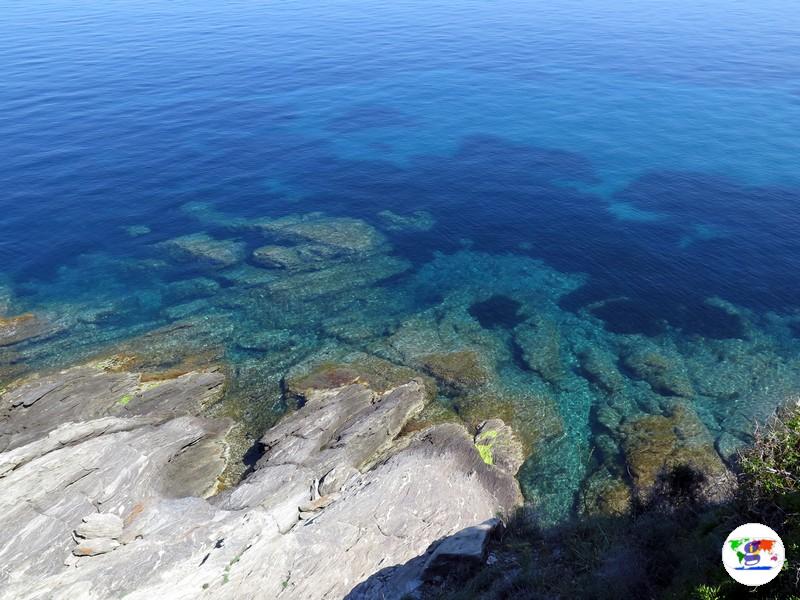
(496, 312)
(518, 356)
(711, 321)
(627, 316)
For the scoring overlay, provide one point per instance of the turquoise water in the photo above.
(597, 181)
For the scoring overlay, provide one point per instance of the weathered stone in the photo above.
(461, 553)
(34, 408)
(319, 503)
(100, 525)
(277, 534)
(95, 546)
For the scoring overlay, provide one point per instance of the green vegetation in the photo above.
(772, 465)
(125, 399)
(485, 450)
(484, 443)
(667, 548)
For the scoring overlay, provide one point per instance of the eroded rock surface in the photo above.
(20, 328)
(103, 498)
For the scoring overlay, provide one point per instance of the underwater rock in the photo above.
(190, 289)
(303, 256)
(728, 447)
(378, 374)
(608, 417)
(534, 417)
(20, 328)
(292, 258)
(263, 341)
(186, 310)
(541, 349)
(190, 345)
(468, 273)
(604, 494)
(662, 369)
(457, 371)
(346, 235)
(600, 370)
(656, 445)
(6, 296)
(244, 275)
(135, 231)
(203, 251)
(419, 220)
(206, 213)
(607, 452)
(338, 278)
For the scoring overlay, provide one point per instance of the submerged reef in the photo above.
(420, 220)
(202, 250)
(289, 304)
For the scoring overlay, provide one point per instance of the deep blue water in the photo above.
(645, 153)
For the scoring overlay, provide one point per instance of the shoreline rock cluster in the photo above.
(108, 488)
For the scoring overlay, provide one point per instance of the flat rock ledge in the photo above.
(107, 489)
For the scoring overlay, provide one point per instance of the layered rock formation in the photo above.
(108, 488)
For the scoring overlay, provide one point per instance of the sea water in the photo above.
(599, 199)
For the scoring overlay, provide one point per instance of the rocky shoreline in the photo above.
(109, 487)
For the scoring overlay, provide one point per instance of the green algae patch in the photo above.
(485, 451)
(125, 399)
(484, 443)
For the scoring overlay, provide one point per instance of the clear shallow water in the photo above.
(627, 174)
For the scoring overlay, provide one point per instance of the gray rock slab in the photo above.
(100, 525)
